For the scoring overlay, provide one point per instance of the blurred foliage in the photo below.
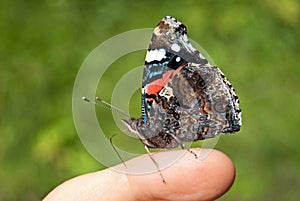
(43, 44)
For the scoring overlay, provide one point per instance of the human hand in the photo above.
(188, 179)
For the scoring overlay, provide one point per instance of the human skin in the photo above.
(188, 179)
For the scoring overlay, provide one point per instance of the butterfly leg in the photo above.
(155, 163)
(183, 145)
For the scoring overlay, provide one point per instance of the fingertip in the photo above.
(219, 173)
(188, 178)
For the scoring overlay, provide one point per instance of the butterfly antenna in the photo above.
(113, 108)
(106, 105)
(112, 144)
(88, 100)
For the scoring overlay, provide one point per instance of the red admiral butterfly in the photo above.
(184, 97)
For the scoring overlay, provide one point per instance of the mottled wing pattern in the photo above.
(184, 98)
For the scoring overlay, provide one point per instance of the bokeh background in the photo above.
(43, 44)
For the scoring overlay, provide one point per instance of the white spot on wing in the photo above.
(166, 92)
(240, 119)
(175, 47)
(155, 55)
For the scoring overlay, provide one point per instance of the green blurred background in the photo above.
(43, 44)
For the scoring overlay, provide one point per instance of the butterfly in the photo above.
(184, 97)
